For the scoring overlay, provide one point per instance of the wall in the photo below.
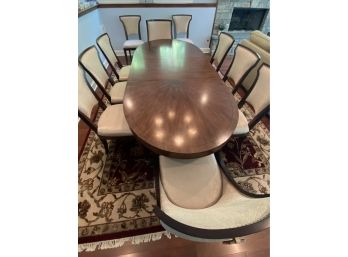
(200, 26)
(90, 27)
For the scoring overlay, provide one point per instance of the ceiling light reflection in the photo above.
(178, 140)
(158, 121)
(204, 98)
(159, 134)
(171, 114)
(192, 131)
(129, 103)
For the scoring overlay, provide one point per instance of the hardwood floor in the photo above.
(255, 245)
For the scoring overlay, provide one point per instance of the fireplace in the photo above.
(247, 18)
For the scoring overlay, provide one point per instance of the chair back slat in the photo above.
(259, 96)
(86, 99)
(243, 61)
(159, 29)
(131, 25)
(224, 45)
(181, 24)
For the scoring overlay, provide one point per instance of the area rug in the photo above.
(116, 191)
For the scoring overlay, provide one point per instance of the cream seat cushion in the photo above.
(242, 125)
(191, 183)
(232, 210)
(186, 40)
(132, 43)
(112, 122)
(117, 92)
(124, 72)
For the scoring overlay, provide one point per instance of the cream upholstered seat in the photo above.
(244, 60)
(117, 92)
(111, 123)
(131, 25)
(132, 44)
(197, 202)
(224, 45)
(242, 125)
(258, 97)
(184, 193)
(104, 44)
(91, 63)
(124, 73)
(181, 27)
(159, 29)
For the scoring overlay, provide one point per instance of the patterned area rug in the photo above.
(247, 158)
(116, 192)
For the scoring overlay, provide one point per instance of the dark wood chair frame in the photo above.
(101, 87)
(147, 26)
(217, 46)
(126, 34)
(238, 84)
(112, 65)
(188, 25)
(241, 103)
(89, 121)
(205, 233)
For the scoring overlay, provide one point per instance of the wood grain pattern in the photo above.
(175, 102)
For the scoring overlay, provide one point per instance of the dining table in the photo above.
(175, 103)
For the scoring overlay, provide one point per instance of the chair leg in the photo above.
(130, 55)
(125, 55)
(105, 143)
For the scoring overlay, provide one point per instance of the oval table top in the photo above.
(175, 103)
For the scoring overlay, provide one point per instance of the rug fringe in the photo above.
(135, 240)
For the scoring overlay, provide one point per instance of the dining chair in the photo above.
(224, 45)
(159, 29)
(90, 61)
(244, 60)
(104, 44)
(112, 122)
(131, 25)
(258, 97)
(182, 27)
(196, 201)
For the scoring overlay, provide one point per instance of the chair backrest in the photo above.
(86, 99)
(131, 25)
(259, 94)
(244, 60)
(224, 44)
(181, 25)
(159, 29)
(104, 44)
(90, 61)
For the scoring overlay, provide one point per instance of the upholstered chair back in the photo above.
(224, 45)
(104, 44)
(159, 29)
(86, 99)
(90, 61)
(131, 25)
(259, 97)
(243, 61)
(181, 24)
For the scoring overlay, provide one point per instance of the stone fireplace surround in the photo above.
(224, 13)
